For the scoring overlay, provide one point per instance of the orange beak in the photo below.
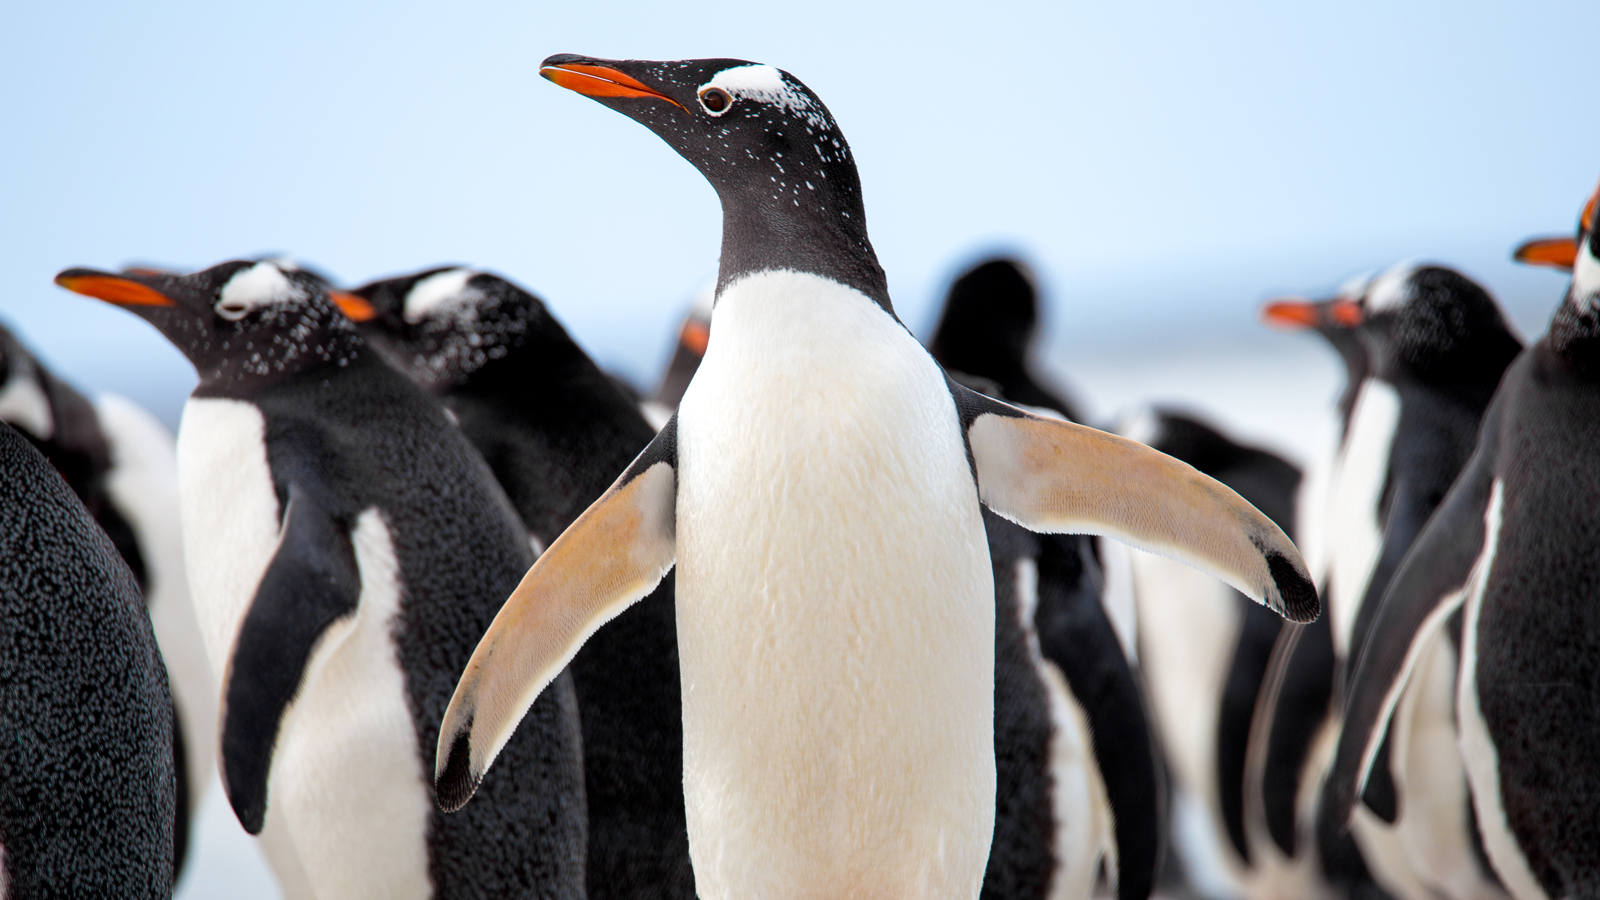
(1291, 314)
(601, 81)
(695, 335)
(1294, 314)
(355, 308)
(1557, 253)
(112, 289)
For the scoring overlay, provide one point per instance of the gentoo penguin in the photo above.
(987, 328)
(87, 779)
(1511, 549)
(122, 464)
(346, 548)
(1203, 652)
(1076, 789)
(1436, 345)
(820, 491)
(555, 430)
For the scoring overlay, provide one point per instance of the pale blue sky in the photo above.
(1165, 165)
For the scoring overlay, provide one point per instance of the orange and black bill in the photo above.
(1296, 314)
(121, 290)
(593, 79)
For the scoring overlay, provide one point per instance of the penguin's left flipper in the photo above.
(1429, 587)
(610, 558)
(1052, 476)
(310, 584)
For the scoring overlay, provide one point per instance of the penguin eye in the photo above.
(232, 310)
(715, 100)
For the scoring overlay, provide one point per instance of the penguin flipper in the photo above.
(1053, 476)
(1430, 586)
(611, 557)
(311, 582)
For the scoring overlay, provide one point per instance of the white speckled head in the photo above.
(437, 292)
(1391, 289)
(759, 83)
(1355, 287)
(262, 284)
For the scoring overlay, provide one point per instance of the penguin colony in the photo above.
(451, 612)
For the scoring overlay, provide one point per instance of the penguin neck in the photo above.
(1574, 337)
(232, 370)
(760, 233)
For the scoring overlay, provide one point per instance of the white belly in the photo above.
(835, 611)
(346, 782)
(1354, 540)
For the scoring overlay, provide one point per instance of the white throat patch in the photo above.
(446, 288)
(263, 284)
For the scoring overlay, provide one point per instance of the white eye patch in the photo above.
(765, 84)
(1392, 289)
(437, 292)
(263, 284)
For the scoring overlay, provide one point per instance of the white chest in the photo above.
(1354, 538)
(835, 607)
(347, 782)
(229, 512)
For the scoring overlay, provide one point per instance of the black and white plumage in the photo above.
(819, 492)
(555, 430)
(1204, 650)
(122, 465)
(347, 548)
(87, 777)
(1510, 551)
(1435, 346)
(1073, 746)
(1077, 792)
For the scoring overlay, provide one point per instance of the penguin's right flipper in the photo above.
(311, 583)
(611, 557)
(1430, 586)
(1052, 476)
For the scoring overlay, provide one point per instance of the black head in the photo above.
(791, 198)
(444, 325)
(241, 323)
(1435, 325)
(989, 319)
(1575, 327)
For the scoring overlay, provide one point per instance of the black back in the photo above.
(75, 446)
(557, 431)
(87, 778)
(78, 449)
(361, 436)
(1538, 635)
